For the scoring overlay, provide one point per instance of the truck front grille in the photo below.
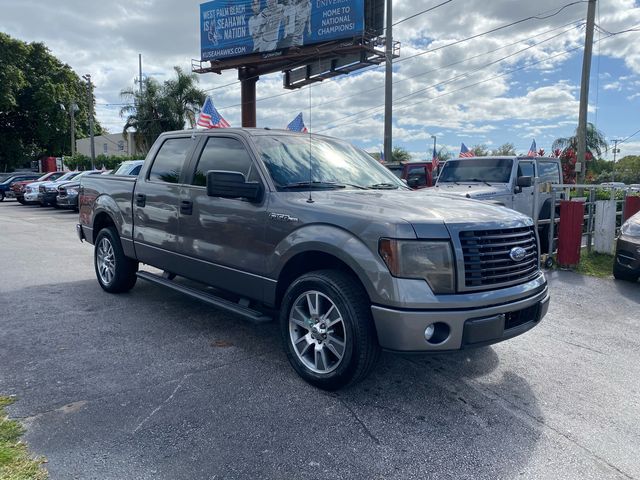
(487, 260)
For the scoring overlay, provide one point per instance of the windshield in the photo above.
(492, 170)
(304, 161)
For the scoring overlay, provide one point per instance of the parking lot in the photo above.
(152, 384)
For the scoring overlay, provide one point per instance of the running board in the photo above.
(253, 315)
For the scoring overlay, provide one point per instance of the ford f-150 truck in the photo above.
(312, 227)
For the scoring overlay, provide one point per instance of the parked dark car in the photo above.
(19, 188)
(68, 195)
(5, 185)
(626, 265)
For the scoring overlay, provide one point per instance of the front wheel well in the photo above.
(308, 262)
(101, 221)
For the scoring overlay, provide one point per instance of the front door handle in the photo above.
(186, 207)
(141, 199)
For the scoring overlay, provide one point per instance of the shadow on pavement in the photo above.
(161, 385)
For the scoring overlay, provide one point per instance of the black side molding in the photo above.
(252, 315)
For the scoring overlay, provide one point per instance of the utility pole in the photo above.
(140, 72)
(616, 150)
(87, 77)
(72, 111)
(388, 86)
(584, 90)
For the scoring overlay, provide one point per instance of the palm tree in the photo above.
(161, 108)
(183, 97)
(596, 143)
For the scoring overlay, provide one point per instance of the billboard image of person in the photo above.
(230, 29)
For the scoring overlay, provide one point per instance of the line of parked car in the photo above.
(56, 189)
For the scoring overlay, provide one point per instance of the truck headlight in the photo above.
(428, 260)
(631, 229)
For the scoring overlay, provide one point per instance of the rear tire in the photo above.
(621, 274)
(116, 273)
(327, 329)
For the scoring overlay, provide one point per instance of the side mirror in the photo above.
(232, 185)
(524, 182)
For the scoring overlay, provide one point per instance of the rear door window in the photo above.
(167, 166)
(525, 169)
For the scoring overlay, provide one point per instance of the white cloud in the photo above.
(462, 89)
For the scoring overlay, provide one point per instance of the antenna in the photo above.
(310, 199)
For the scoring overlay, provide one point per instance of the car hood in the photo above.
(422, 209)
(474, 190)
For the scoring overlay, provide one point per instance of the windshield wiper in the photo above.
(384, 186)
(483, 181)
(292, 186)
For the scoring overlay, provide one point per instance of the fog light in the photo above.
(437, 333)
(429, 331)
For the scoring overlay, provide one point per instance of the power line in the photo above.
(423, 11)
(630, 136)
(454, 78)
(341, 98)
(539, 16)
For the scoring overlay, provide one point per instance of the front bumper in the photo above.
(70, 201)
(31, 197)
(47, 197)
(404, 331)
(628, 253)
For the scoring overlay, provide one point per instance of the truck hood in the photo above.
(474, 190)
(423, 209)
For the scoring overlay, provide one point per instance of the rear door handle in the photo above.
(141, 199)
(186, 207)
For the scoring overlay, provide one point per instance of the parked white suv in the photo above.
(507, 181)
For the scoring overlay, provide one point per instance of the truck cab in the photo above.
(417, 174)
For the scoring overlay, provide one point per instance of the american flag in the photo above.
(434, 159)
(297, 124)
(210, 118)
(464, 151)
(532, 150)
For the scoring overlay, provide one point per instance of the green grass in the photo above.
(595, 264)
(15, 461)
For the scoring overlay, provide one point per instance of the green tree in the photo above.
(480, 150)
(33, 85)
(504, 150)
(161, 107)
(400, 154)
(627, 169)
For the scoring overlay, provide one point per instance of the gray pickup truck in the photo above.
(314, 228)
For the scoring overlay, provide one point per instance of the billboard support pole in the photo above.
(248, 80)
(388, 86)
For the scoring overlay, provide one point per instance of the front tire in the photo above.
(1, 196)
(116, 273)
(327, 329)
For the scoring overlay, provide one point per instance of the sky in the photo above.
(513, 85)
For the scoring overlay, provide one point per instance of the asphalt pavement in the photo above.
(154, 385)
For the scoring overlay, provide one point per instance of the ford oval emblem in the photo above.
(517, 254)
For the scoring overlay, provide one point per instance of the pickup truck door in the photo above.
(523, 198)
(156, 200)
(222, 240)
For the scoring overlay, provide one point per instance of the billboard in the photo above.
(234, 28)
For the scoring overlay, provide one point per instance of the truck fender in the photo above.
(341, 244)
(106, 205)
